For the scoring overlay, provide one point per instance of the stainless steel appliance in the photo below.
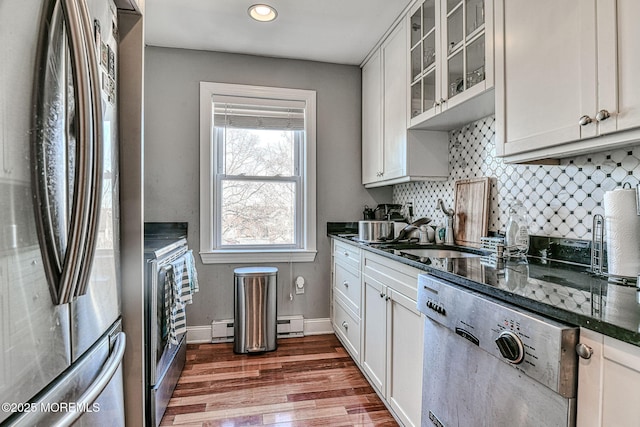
(375, 231)
(165, 248)
(488, 363)
(388, 212)
(61, 337)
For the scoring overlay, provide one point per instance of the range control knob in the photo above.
(510, 347)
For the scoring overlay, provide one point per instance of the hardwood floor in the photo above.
(308, 381)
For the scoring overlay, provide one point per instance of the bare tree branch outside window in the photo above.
(259, 187)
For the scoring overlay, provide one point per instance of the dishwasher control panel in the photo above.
(538, 347)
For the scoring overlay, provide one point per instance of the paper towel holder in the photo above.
(597, 254)
(597, 245)
(637, 195)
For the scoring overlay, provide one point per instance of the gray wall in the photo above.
(172, 79)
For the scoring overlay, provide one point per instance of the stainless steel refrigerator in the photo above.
(60, 330)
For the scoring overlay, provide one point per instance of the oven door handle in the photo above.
(153, 312)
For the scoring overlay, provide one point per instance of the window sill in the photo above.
(252, 257)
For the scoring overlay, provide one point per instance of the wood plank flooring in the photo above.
(308, 381)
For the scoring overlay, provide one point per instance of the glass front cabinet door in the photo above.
(451, 55)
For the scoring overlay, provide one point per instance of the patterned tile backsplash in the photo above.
(561, 200)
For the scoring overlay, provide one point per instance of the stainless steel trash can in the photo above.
(254, 326)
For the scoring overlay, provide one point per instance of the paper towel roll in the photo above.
(622, 227)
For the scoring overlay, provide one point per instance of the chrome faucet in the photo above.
(448, 236)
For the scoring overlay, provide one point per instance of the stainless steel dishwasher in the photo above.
(487, 363)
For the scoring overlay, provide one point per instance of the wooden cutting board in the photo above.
(471, 216)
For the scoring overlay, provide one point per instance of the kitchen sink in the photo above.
(439, 253)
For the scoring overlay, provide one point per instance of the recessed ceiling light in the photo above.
(262, 12)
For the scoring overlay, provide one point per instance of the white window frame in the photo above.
(209, 252)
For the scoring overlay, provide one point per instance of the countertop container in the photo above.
(375, 231)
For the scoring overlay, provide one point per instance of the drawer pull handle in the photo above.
(345, 324)
(346, 284)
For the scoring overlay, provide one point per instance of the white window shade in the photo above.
(251, 116)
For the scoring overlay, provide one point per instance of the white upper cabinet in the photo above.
(390, 153)
(394, 102)
(372, 155)
(565, 76)
(451, 56)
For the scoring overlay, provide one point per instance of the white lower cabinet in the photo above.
(404, 358)
(374, 329)
(375, 317)
(392, 335)
(346, 296)
(608, 382)
(347, 327)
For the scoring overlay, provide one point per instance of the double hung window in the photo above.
(257, 174)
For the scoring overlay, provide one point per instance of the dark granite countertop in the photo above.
(562, 291)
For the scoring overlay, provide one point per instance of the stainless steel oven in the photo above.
(165, 356)
(487, 363)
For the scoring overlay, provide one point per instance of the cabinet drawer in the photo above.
(394, 274)
(347, 255)
(347, 328)
(347, 287)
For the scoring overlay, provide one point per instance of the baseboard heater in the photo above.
(287, 327)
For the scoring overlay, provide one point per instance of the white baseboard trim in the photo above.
(198, 334)
(202, 334)
(317, 326)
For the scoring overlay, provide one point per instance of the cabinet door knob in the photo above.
(345, 324)
(584, 351)
(346, 284)
(435, 104)
(346, 254)
(381, 295)
(442, 101)
(602, 115)
(584, 120)
(387, 298)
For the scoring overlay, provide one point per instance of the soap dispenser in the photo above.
(517, 233)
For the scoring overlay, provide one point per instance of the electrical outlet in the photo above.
(299, 285)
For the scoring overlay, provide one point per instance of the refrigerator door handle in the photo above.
(62, 255)
(102, 380)
(97, 148)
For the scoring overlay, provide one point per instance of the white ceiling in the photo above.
(338, 31)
